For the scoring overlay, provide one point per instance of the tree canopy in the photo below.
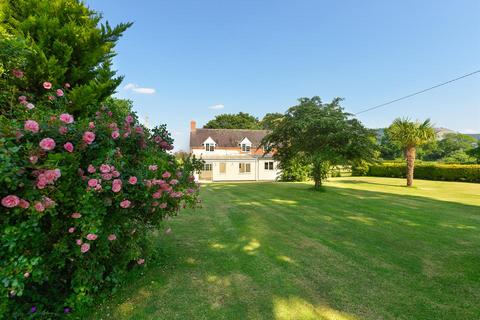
(240, 120)
(322, 134)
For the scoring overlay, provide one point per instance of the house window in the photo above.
(245, 147)
(223, 167)
(244, 167)
(207, 167)
(268, 165)
(209, 147)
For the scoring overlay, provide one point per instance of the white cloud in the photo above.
(136, 88)
(217, 107)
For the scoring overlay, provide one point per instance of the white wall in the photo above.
(267, 174)
(217, 152)
(232, 172)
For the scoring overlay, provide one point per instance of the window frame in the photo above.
(243, 166)
(245, 147)
(209, 147)
(206, 167)
(224, 164)
(268, 165)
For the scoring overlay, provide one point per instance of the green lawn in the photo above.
(364, 248)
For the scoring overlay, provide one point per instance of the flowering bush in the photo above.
(78, 198)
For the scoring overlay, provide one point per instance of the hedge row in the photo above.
(445, 172)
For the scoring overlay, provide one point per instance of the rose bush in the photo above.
(78, 200)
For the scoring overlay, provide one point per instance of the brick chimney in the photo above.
(193, 125)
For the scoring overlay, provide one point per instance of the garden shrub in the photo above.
(78, 199)
(428, 171)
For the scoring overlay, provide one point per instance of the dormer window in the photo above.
(245, 145)
(209, 145)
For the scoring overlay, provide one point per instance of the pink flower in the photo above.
(48, 203)
(17, 73)
(140, 261)
(66, 118)
(152, 167)
(116, 185)
(116, 174)
(105, 168)
(47, 85)
(26, 275)
(31, 125)
(71, 230)
(51, 98)
(91, 125)
(47, 144)
(113, 126)
(92, 183)
(91, 169)
(85, 247)
(174, 182)
(166, 175)
(115, 135)
(132, 180)
(63, 130)
(76, 215)
(157, 194)
(129, 119)
(92, 236)
(125, 204)
(88, 137)
(10, 201)
(67, 85)
(33, 159)
(163, 205)
(29, 106)
(39, 207)
(112, 237)
(68, 146)
(53, 118)
(24, 204)
(138, 129)
(22, 99)
(126, 134)
(78, 242)
(107, 176)
(59, 93)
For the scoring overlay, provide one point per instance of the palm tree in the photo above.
(408, 135)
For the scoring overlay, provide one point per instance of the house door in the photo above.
(206, 173)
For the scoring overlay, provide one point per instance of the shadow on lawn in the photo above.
(288, 253)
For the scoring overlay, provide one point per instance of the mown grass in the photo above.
(363, 248)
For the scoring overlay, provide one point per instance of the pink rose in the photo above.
(67, 85)
(79, 242)
(47, 85)
(10, 201)
(59, 93)
(39, 207)
(33, 159)
(132, 180)
(71, 230)
(92, 183)
(76, 215)
(91, 125)
(22, 99)
(115, 135)
(24, 204)
(166, 175)
(113, 126)
(129, 119)
(29, 106)
(68, 146)
(157, 194)
(163, 205)
(88, 137)
(31, 125)
(105, 168)
(107, 176)
(116, 174)
(47, 144)
(91, 169)
(152, 167)
(140, 261)
(85, 247)
(138, 129)
(66, 118)
(51, 98)
(125, 204)
(174, 182)
(17, 73)
(26, 275)
(112, 237)
(116, 185)
(63, 130)
(48, 203)
(92, 236)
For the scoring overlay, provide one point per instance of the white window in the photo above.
(223, 167)
(209, 147)
(268, 165)
(245, 147)
(207, 167)
(244, 167)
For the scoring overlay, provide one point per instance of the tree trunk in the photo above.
(410, 153)
(318, 184)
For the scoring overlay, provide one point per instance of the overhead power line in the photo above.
(418, 92)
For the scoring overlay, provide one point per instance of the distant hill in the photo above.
(440, 132)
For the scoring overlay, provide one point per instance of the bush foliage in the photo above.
(428, 171)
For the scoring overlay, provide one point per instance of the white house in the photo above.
(232, 154)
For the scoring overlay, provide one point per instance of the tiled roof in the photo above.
(226, 137)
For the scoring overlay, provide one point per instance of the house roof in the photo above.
(226, 137)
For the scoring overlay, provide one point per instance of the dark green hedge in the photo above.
(445, 172)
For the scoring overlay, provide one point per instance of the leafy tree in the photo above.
(240, 120)
(454, 142)
(388, 149)
(64, 42)
(475, 153)
(322, 134)
(409, 135)
(270, 120)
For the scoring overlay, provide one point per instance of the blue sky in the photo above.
(185, 60)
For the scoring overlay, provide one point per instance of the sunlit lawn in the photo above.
(364, 248)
